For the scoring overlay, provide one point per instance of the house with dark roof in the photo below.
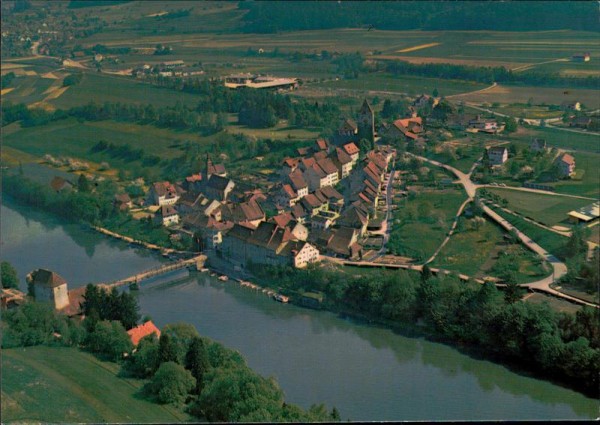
(163, 193)
(497, 155)
(248, 213)
(298, 183)
(190, 202)
(166, 215)
(344, 243)
(343, 162)
(218, 187)
(354, 218)
(122, 202)
(58, 184)
(48, 286)
(267, 244)
(538, 145)
(312, 204)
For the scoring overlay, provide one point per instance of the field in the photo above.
(70, 138)
(108, 88)
(526, 111)
(547, 209)
(474, 253)
(428, 215)
(522, 94)
(65, 385)
(588, 176)
(410, 85)
(550, 241)
(569, 140)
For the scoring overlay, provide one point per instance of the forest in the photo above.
(272, 17)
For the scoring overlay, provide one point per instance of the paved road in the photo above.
(559, 268)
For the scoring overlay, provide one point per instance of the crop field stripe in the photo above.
(422, 46)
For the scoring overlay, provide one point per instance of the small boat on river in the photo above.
(281, 298)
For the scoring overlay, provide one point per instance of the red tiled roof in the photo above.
(568, 159)
(194, 178)
(140, 331)
(320, 155)
(297, 180)
(328, 166)
(322, 144)
(351, 148)
(289, 191)
(283, 219)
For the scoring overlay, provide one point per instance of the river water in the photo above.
(368, 373)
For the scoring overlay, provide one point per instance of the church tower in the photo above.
(366, 121)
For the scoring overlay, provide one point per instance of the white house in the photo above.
(498, 155)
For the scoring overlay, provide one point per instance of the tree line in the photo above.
(489, 74)
(194, 373)
(264, 17)
(532, 336)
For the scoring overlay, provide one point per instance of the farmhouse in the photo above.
(538, 145)
(570, 106)
(581, 57)
(142, 331)
(585, 214)
(409, 128)
(497, 155)
(47, 286)
(566, 165)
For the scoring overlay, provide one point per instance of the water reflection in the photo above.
(30, 240)
(368, 372)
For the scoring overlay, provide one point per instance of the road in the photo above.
(559, 268)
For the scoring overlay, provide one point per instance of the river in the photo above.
(367, 372)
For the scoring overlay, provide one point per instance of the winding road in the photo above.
(559, 268)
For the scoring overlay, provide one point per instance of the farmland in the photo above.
(410, 85)
(61, 385)
(122, 89)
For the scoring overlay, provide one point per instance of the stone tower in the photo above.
(46, 286)
(366, 121)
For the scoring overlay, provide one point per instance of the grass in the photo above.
(65, 385)
(411, 85)
(505, 94)
(28, 89)
(566, 139)
(523, 110)
(72, 138)
(429, 215)
(547, 209)
(587, 167)
(475, 252)
(556, 304)
(109, 88)
(550, 241)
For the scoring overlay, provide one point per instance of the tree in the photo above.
(196, 361)
(9, 276)
(171, 383)
(167, 350)
(83, 185)
(435, 92)
(109, 339)
(144, 362)
(181, 336)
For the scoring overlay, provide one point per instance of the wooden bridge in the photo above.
(138, 277)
